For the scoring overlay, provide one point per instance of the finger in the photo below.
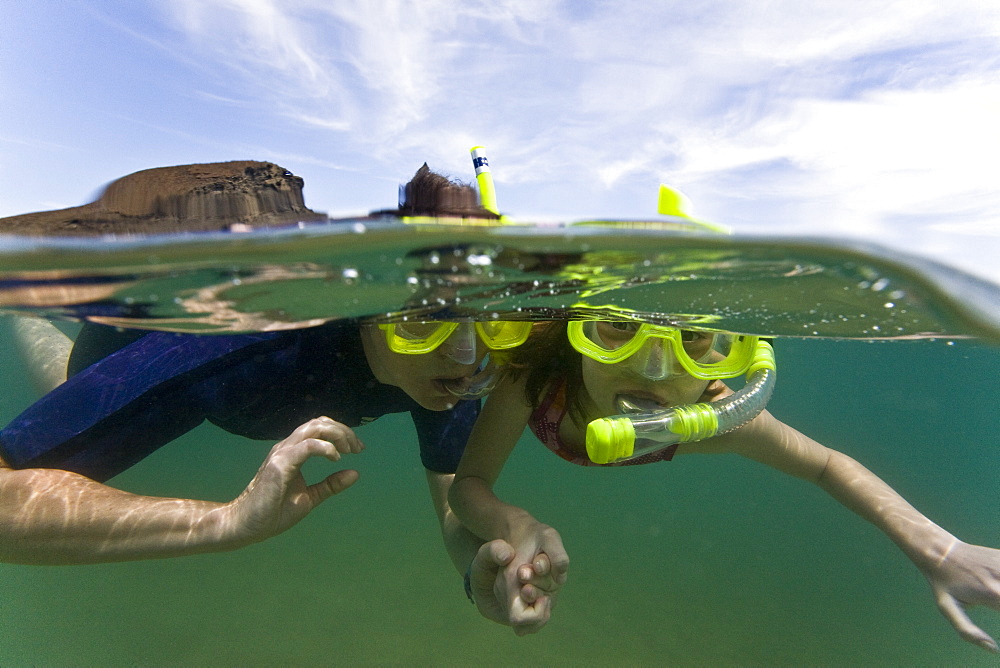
(558, 561)
(525, 619)
(327, 429)
(955, 613)
(487, 563)
(497, 553)
(333, 484)
(530, 594)
(537, 574)
(342, 436)
(286, 463)
(541, 564)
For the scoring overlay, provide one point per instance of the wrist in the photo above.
(933, 553)
(517, 522)
(218, 530)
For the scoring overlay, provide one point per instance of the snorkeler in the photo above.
(636, 393)
(131, 392)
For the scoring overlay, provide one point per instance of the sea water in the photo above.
(705, 560)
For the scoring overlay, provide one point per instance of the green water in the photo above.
(702, 561)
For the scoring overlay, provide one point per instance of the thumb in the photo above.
(500, 552)
(954, 612)
(490, 558)
(332, 484)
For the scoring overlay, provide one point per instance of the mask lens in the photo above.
(417, 331)
(416, 338)
(500, 334)
(698, 345)
(718, 355)
(611, 335)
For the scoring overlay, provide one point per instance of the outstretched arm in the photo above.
(49, 516)
(536, 548)
(961, 575)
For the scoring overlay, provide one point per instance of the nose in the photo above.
(655, 361)
(460, 347)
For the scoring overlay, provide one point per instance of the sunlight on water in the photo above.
(286, 278)
(702, 561)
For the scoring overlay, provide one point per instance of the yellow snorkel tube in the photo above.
(632, 435)
(487, 191)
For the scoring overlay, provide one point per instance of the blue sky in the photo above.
(862, 119)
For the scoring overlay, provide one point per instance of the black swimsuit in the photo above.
(119, 409)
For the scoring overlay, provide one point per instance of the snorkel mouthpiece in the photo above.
(481, 383)
(632, 435)
(610, 439)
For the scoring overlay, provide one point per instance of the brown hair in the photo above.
(549, 360)
(431, 194)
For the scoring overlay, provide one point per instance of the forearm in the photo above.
(857, 488)
(460, 543)
(484, 514)
(50, 516)
(774, 443)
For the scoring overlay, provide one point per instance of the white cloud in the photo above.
(852, 115)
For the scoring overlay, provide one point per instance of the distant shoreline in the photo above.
(185, 198)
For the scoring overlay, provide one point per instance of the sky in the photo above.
(857, 119)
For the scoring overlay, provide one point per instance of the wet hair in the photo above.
(547, 359)
(431, 194)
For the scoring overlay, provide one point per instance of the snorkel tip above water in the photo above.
(673, 202)
(487, 191)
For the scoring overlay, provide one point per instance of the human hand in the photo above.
(528, 586)
(278, 496)
(541, 577)
(967, 576)
(529, 607)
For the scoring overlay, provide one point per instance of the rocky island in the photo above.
(237, 195)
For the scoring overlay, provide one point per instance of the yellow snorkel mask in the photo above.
(459, 342)
(659, 353)
(418, 338)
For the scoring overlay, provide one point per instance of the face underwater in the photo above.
(434, 370)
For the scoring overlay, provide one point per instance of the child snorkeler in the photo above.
(589, 370)
(131, 392)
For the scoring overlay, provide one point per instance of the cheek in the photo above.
(690, 390)
(406, 370)
(597, 378)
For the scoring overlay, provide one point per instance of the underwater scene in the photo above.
(705, 560)
(286, 379)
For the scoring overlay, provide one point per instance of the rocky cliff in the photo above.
(186, 198)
